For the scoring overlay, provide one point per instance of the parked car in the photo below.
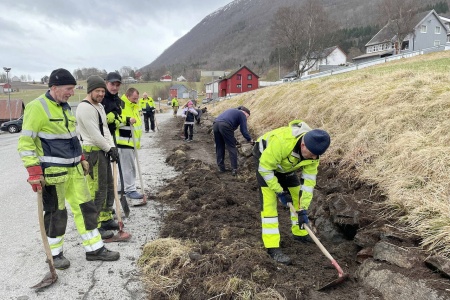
(12, 126)
(129, 80)
(207, 100)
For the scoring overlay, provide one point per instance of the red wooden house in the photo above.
(241, 81)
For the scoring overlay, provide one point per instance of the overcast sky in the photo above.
(39, 36)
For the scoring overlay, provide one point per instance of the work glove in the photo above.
(113, 154)
(252, 142)
(85, 165)
(36, 178)
(284, 197)
(302, 218)
(110, 117)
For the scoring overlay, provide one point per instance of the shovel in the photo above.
(341, 275)
(121, 236)
(51, 276)
(144, 201)
(123, 199)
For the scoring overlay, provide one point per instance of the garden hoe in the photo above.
(121, 236)
(144, 201)
(51, 276)
(341, 275)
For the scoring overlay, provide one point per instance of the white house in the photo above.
(329, 58)
(181, 78)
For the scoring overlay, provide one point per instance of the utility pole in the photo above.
(9, 90)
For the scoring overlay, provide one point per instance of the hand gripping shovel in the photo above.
(144, 201)
(51, 276)
(341, 275)
(121, 236)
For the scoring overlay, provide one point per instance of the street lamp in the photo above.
(9, 90)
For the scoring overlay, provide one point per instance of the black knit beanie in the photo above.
(95, 82)
(61, 77)
(317, 141)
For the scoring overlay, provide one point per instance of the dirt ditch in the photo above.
(215, 226)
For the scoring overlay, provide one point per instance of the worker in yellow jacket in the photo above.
(51, 152)
(148, 108)
(279, 153)
(130, 117)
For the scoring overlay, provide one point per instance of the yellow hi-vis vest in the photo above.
(123, 132)
(279, 154)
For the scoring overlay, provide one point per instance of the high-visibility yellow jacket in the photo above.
(175, 102)
(123, 132)
(143, 102)
(280, 152)
(49, 136)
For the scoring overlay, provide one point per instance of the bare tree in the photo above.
(400, 17)
(304, 32)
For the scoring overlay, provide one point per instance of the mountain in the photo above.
(239, 34)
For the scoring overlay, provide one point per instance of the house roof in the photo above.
(379, 54)
(234, 72)
(387, 33)
(325, 52)
(17, 107)
(177, 86)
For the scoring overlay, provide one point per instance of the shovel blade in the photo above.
(125, 207)
(335, 282)
(121, 236)
(48, 280)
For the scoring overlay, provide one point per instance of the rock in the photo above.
(364, 254)
(393, 285)
(398, 256)
(439, 263)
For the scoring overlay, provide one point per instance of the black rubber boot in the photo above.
(60, 262)
(234, 172)
(102, 254)
(303, 239)
(106, 234)
(110, 225)
(279, 256)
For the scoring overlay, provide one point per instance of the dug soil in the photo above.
(220, 213)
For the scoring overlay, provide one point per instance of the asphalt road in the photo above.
(22, 257)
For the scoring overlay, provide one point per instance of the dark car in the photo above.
(12, 126)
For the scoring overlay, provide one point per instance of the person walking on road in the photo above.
(278, 154)
(148, 109)
(175, 106)
(99, 150)
(51, 151)
(130, 117)
(224, 126)
(189, 113)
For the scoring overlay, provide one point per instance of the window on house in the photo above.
(437, 30)
(437, 43)
(423, 28)
(448, 38)
(249, 76)
(249, 86)
(238, 77)
(238, 86)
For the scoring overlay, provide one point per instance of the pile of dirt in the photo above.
(216, 221)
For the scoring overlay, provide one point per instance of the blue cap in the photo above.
(317, 141)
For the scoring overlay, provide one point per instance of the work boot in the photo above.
(222, 169)
(60, 262)
(303, 239)
(279, 256)
(102, 254)
(110, 225)
(234, 172)
(135, 195)
(105, 234)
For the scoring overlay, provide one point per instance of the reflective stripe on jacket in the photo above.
(280, 152)
(49, 136)
(123, 133)
(144, 102)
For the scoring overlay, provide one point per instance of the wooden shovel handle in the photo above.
(48, 251)
(116, 195)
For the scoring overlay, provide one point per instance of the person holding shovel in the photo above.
(51, 151)
(278, 154)
(148, 108)
(127, 144)
(99, 150)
